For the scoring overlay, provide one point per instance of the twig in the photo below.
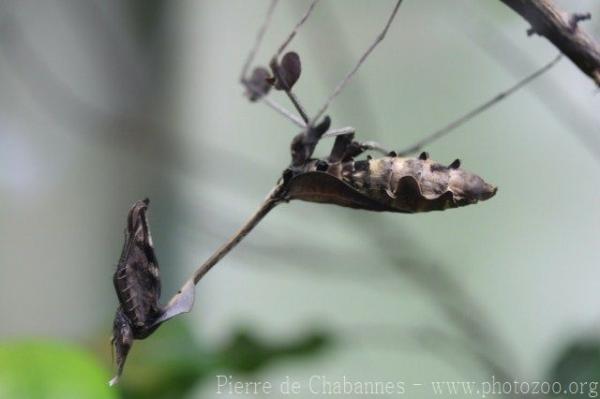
(561, 28)
(275, 63)
(273, 104)
(476, 111)
(362, 59)
(512, 58)
(259, 37)
(283, 111)
(297, 105)
(360, 106)
(271, 201)
(295, 30)
(244, 74)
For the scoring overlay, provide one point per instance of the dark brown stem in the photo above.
(274, 198)
(274, 105)
(298, 106)
(562, 29)
(274, 64)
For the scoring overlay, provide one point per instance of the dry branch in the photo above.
(561, 28)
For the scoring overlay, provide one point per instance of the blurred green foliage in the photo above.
(172, 362)
(50, 370)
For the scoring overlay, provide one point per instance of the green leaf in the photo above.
(50, 370)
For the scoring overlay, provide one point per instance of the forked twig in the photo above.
(294, 31)
(476, 111)
(297, 105)
(274, 61)
(361, 60)
(259, 38)
(283, 111)
(244, 74)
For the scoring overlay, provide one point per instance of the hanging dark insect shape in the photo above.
(137, 283)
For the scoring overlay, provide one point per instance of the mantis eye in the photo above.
(322, 166)
(424, 156)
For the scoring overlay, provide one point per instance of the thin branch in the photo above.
(561, 28)
(272, 103)
(283, 111)
(298, 106)
(273, 199)
(275, 63)
(295, 30)
(259, 37)
(362, 59)
(361, 108)
(512, 58)
(476, 111)
(244, 74)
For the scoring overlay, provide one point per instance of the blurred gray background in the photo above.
(106, 102)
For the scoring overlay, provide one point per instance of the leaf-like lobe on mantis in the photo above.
(287, 72)
(394, 184)
(258, 84)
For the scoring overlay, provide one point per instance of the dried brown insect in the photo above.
(137, 284)
(391, 183)
(406, 185)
